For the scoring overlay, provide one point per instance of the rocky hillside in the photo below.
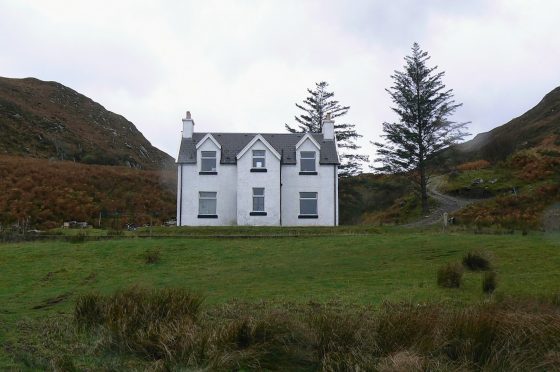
(48, 120)
(538, 126)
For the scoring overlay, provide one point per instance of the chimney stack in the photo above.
(188, 126)
(328, 128)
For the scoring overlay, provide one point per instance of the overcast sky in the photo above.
(241, 65)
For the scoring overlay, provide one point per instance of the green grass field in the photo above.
(39, 279)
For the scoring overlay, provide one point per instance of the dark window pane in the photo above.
(258, 191)
(258, 204)
(308, 165)
(208, 165)
(308, 195)
(207, 194)
(308, 206)
(207, 206)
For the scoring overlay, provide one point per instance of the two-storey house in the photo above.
(280, 179)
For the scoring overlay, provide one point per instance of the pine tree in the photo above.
(423, 106)
(316, 107)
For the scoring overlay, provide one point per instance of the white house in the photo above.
(260, 179)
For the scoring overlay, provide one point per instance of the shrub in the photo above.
(489, 282)
(80, 237)
(477, 261)
(450, 275)
(151, 256)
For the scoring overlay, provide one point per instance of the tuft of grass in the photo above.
(450, 275)
(477, 261)
(489, 282)
(151, 256)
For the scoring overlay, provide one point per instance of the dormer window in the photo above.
(307, 162)
(259, 161)
(208, 161)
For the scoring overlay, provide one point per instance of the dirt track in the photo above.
(446, 203)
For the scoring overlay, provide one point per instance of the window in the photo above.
(307, 205)
(258, 199)
(259, 159)
(307, 159)
(206, 203)
(208, 161)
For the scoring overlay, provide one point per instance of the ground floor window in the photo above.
(207, 203)
(308, 204)
(258, 199)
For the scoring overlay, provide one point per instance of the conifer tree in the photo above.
(423, 106)
(316, 106)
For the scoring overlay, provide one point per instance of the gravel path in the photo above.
(446, 203)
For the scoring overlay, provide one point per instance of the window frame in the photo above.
(254, 157)
(315, 198)
(258, 195)
(202, 198)
(206, 157)
(307, 160)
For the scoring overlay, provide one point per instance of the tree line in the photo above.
(423, 106)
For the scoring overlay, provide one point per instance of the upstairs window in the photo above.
(307, 204)
(208, 161)
(307, 161)
(207, 203)
(258, 199)
(259, 159)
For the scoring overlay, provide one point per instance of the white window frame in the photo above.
(314, 158)
(201, 198)
(258, 196)
(257, 157)
(202, 157)
(315, 197)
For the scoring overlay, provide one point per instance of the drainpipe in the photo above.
(281, 157)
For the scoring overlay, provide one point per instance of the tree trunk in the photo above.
(424, 190)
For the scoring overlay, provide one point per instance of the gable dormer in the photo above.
(208, 154)
(261, 152)
(308, 153)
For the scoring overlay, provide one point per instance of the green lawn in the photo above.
(44, 278)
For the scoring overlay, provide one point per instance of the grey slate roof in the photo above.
(233, 143)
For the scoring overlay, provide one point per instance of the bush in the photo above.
(477, 261)
(80, 237)
(151, 256)
(450, 275)
(489, 282)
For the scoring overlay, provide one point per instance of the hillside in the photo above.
(540, 125)
(48, 120)
(45, 193)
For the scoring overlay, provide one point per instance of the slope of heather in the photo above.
(47, 192)
(48, 120)
(539, 125)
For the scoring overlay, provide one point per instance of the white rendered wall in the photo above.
(222, 183)
(269, 180)
(324, 184)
